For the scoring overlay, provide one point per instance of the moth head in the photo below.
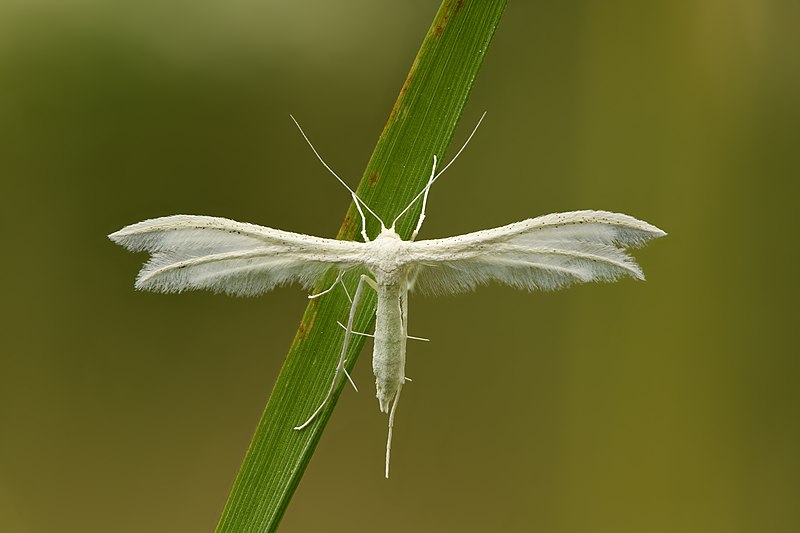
(390, 233)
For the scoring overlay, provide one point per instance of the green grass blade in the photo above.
(421, 124)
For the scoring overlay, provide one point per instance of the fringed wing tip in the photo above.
(148, 234)
(144, 282)
(649, 231)
(123, 238)
(636, 233)
(631, 232)
(656, 232)
(115, 237)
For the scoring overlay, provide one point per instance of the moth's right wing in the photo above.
(548, 252)
(200, 252)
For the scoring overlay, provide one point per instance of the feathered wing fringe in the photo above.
(544, 253)
(199, 252)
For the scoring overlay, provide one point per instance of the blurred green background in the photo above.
(664, 406)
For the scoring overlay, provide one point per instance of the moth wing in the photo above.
(545, 253)
(191, 252)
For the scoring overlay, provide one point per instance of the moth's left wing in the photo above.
(548, 252)
(200, 252)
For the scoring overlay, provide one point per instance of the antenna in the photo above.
(433, 178)
(358, 201)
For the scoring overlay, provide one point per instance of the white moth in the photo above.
(548, 252)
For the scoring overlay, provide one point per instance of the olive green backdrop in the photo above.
(670, 405)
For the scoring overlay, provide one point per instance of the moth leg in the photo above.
(404, 306)
(356, 332)
(391, 425)
(329, 289)
(405, 378)
(374, 285)
(347, 293)
(356, 201)
(425, 200)
(347, 375)
(413, 338)
(348, 331)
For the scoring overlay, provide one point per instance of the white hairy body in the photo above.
(549, 252)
